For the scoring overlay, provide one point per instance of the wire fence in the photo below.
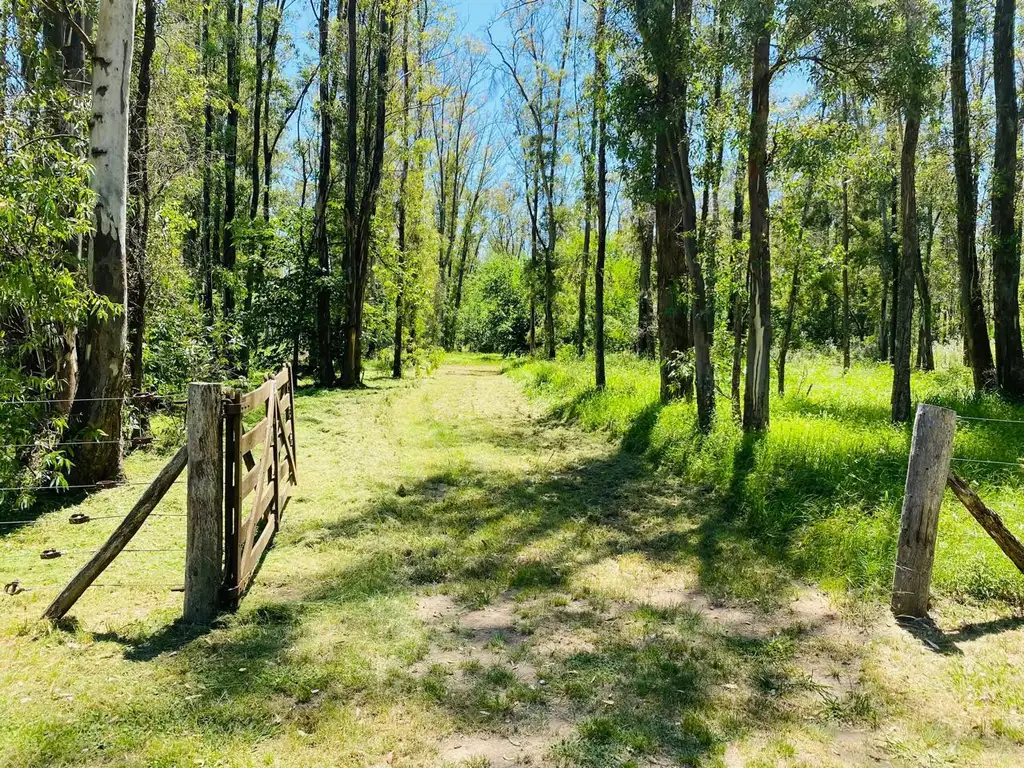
(967, 461)
(175, 399)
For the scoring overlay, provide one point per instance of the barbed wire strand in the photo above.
(48, 401)
(134, 441)
(90, 520)
(99, 486)
(981, 418)
(173, 587)
(1016, 464)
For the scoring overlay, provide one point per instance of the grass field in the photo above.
(821, 491)
(468, 578)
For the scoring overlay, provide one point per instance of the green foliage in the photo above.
(496, 314)
(45, 209)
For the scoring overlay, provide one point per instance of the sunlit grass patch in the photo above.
(821, 490)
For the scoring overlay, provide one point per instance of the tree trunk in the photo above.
(673, 92)
(645, 340)
(601, 76)
(901, 403)
(894, 272)
(741, 276)
(787, 332)
(65, 40)
(1005, 255)
(358, 219)
(674, 325)
(588, 213)
(759, 338)
(846, 269)
(324, 346)
(207, 224)
(138, 190)
(972, 305)
(403, 184)
(885, 268)
(230, 248)
(925, 338)
(98, 404)
(601, 79)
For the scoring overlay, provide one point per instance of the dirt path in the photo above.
(584, 610)
(461, 582)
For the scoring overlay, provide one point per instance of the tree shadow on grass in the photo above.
(946, 642)
(648, 684)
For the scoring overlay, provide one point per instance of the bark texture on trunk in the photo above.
(358, 216)
(138, 190)
(787, 331)
(674, 325)
(98, 404)
(601, 70)
(321, 243)
(846, 276)
(1005, 253)
(207, 246)
(403, 186)
(588, 215)
(909, 266)
(229, 258)
(972, 304)
(741, 277)
(759, 337)
(645, 338)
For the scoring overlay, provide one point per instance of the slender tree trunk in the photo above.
(894, 271)
(403, 185)
(759, 338)
(230, 256)
(555, 154)
(846, 264)
(787, 331)
(972, 305)
(325, 346)
(534, 259)
(674, 323)
(588, 212)
(138, 190)
(98, 404)
(252, 269)
(601, 79)
(901, 399)
(925, 338)
(712, 175)
(645, 342)
(207, 224)
(1005, 254)
(885, 268)
(65, 39)
(741, 276)
(357, 257)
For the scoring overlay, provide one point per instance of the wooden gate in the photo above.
(259, 475)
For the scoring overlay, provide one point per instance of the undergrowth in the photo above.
(821, 490)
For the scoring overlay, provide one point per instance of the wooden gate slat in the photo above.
(257, 397)
(255, 436)
(269, 478)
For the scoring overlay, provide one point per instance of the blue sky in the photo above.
(476, 14)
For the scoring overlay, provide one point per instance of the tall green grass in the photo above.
(821, 490)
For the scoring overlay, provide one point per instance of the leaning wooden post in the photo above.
(203, 553)
(931, 451)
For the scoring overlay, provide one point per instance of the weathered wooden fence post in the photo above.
(203, 553)
(931, 451)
